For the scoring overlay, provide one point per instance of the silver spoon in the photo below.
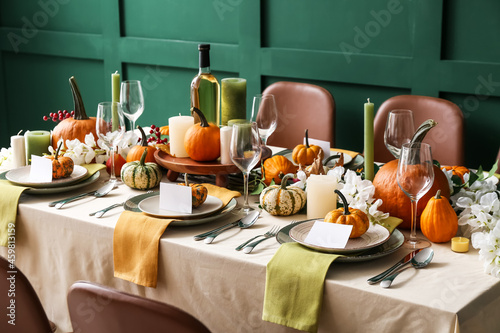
(420, 260)
(99, 193)
(244, 223)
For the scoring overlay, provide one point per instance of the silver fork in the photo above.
(247, 249)
(274, 230)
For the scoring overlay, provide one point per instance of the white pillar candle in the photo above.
(18, 151)
(321, 196)
(178, 127)
(225, 142)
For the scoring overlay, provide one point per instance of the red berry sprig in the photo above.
(156, 136)
(59, 115)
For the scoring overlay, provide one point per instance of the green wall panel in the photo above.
(192, 20)
(37, 85)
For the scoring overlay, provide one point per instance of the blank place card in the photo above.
(176, 198)
(331, 235)
(325, 145)
(41, 170)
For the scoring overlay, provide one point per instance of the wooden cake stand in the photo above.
(187, 165)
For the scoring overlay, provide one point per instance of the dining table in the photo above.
(224, 288)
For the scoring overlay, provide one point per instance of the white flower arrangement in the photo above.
(6, 157)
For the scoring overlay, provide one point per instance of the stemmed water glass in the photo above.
(415, 177)
(265, 114)
(110, 127)
(132, 100)
(399, 129)
(246, 151)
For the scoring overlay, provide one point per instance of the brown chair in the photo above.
(18, 298)
(446, 139)
(498, 159)
(94, 308)
(302, 106)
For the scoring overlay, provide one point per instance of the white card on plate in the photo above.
(176, 198)
(330, 235)
(325, 145)
(41, 169)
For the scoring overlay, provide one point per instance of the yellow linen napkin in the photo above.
(391, 223)
(9, 199)
(92, 168)
(136, 242)
(351, 153)
(295, 279)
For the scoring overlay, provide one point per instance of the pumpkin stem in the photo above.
(58, 149)
(344, 201)
(422, 130)
(203, 119)
(284, 180)
(307, 138)
(186, 179)
(144, 142)
(80, 113)
(143, 157)
(438, 195)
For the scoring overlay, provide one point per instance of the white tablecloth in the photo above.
(225, 288)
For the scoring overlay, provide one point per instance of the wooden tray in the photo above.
(187, 165)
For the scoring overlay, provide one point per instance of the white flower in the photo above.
(6, 157)
(336, 172)
(301, 175)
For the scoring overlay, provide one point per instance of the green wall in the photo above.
(354, 48)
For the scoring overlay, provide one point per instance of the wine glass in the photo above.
(265, 113)
(399, 129)
(246, 151)
(110, 127)
(132, 100)
(415, 177)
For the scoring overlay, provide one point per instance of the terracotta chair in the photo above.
(29, 314)
(94, 308)
(446, 139)
(302, 106)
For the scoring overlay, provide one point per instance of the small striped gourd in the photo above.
(282, 200)
(140, 175)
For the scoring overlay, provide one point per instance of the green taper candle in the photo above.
(115, 92)
(369, 173)
(233, 99)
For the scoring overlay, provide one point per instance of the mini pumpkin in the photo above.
(347, 215)
(135, 153)
(276, 167)
(141, 175)
(305, 154)
(457, 170)
(202, 140)
(199, 192)
(282, 200)
(62, 166)
(439, 222)
(164, 130)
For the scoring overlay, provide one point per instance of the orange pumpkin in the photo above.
(62, 166)
(198, 191)
(202, 140)
(439, 222)
(305, 154)
(457, 170)
(78, 126)
(355, 217)
(164, 130)
(276, 167)
(135, 153)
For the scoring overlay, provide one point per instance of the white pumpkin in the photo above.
(282, 200)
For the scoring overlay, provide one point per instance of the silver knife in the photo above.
(401, 263)
(225, 226)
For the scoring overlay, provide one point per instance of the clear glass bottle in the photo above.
(205, 89)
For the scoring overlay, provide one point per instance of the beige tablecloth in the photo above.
(225, 288)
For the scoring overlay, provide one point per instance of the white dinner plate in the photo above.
(151, 206)
(331, 163)
(21, 176)
(374, 236)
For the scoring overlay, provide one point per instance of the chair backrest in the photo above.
(498, 159)
(94, 308)
(446, 139)
(21, 302)
(302, 106)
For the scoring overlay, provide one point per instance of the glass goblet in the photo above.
(246, 151)
(415, 177)
(132, 100)
(399, 129)
(110, 127)
(265, 113)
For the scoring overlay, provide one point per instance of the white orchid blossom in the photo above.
(302, 177)
(6, 157)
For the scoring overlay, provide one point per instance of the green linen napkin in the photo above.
(92, 168)
(391, 223)
(9, 198)
(295, 279)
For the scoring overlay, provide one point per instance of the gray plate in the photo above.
(393, 243)
(133, 203)
(51, 190)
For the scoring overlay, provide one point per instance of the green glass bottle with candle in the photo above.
(205, 89)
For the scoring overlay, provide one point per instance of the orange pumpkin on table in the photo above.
(439, 222)
(62, 166)
(457, 170)
(135, 153)
(305, 154)
(347, 215)
(202, 140)
(276, 167)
